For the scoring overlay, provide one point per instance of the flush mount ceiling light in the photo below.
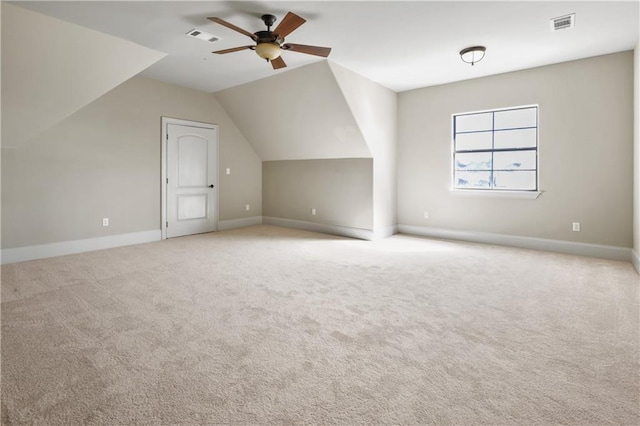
(473, 54)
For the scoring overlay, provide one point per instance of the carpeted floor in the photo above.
(265, 325)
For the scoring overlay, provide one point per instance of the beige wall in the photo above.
(104, 161)
(636, 154)
(586, 151)
(341, 191)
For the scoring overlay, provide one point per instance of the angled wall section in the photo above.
(313, 151)
(375, 110)
(322, 112)
(296, 115)
(52, 68)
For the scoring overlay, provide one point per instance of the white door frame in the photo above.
(163, 182)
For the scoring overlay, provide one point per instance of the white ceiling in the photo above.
(401, 45)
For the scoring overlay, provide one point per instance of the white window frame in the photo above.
(493, 192)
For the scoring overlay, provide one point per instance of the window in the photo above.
(496, 150)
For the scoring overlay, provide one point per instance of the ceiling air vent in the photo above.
(202, 35)
(563, 22)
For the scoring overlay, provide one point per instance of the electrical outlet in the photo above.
(228, 171)
(426, 214)
(313, 212)
(105, 221)
(247, 207)
(576, 226)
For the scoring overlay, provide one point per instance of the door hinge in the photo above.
(167, 180)
(167, 225)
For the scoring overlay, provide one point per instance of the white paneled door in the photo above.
(191, 180)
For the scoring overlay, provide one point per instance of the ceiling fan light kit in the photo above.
(268, 51)
(270, 44)
(473, 54)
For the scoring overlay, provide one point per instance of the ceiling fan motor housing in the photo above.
(267, 37)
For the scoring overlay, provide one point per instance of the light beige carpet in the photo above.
(266, 325)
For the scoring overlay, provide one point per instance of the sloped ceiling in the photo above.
(51, 68)
(374, 108)
(298, 115)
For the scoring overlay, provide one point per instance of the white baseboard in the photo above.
(635, 259)
(224, 225)
(381, 233)
(343, 231)
(558, 246)
(21, 254)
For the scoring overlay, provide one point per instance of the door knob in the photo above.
(210, 186)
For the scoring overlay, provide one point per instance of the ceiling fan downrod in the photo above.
(268, 20)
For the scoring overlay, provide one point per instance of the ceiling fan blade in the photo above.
(278, 63)
(233, 49)
(309, 50)
(290, 22)
(233, 27)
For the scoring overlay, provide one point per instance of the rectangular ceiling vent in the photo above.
(563, 22)
(202, 35)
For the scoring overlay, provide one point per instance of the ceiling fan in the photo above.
(270, 44)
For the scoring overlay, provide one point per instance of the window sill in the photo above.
(526, 195)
